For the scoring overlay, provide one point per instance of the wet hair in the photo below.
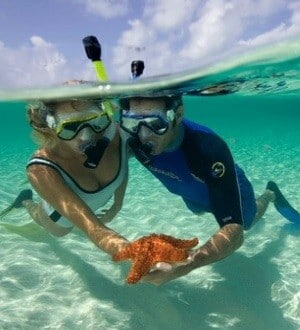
(171, 102)
(37, 116)
(37, 113)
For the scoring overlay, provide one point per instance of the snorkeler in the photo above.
(80, 164)
(195, 163)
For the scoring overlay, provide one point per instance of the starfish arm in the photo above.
(124, 254)
(147, 251)
(140, 267)
(180, 243)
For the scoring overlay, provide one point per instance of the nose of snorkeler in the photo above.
(143, 145)
(86, 140)
(149, 138)
(87, 134)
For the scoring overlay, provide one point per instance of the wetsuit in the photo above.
(202, 171)
(94, 199)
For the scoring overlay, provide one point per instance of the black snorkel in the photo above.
(93, 51)
(137, 69)
(141, 151)
(95, 153)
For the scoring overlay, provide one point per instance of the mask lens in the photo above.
(100, 123)
(132, 123)
(69, 129)
(157, 125)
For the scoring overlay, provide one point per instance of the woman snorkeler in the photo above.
(80, 164)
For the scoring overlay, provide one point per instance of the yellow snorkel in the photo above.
(93, 51)
(94, 153)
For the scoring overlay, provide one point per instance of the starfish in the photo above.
(147, 251)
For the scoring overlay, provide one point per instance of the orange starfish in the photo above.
(147, 251)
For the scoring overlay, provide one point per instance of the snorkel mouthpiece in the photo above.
(95, 153)
(141, 151)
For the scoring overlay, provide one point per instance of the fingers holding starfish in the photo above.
(147, 251)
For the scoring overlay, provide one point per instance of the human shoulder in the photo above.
(198, 135)
(203, 147)
(193, 126)
(42, 176)
(40, 165)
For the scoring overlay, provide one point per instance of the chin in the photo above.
(156, 152)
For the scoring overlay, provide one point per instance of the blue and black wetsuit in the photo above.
(202, 171)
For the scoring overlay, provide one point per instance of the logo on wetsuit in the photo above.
(166, 173)
(218, 170)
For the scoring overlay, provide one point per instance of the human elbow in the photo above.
(234, 234)
(239, 236)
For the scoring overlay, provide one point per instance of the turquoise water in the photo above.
(67, 283)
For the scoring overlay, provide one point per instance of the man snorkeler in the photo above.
(195, 163)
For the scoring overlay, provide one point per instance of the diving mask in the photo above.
(158, 122)
(67, 127)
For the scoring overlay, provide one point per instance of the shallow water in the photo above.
(67, 283)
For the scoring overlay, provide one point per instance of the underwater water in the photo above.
(67, 283)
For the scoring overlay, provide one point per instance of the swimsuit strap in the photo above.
(44, 161)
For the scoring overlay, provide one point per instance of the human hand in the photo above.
(163, 273)
(147, 252)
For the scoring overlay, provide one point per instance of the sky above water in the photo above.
(41, 40)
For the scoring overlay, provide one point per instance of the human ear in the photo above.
(179, 114)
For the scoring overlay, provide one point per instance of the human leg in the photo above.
(262, 203)
(39, 215)
(17, 203)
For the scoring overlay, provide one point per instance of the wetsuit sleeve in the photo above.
(218, 171)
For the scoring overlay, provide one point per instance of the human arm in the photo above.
(217, 169)
(107, 215)
(222, 244)
(50, 185)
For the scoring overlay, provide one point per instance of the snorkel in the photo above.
(142, 151)
(94, 153)
(137, 69)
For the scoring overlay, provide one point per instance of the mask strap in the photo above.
(50, 120)
(170, 115)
